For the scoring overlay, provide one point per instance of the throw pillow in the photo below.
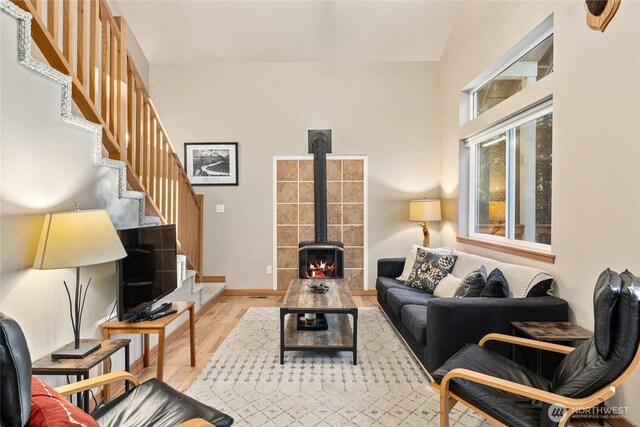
(472, 284)
(50, 409)
(429, 269)
(447, 286)
(497, 286)
(411, 259)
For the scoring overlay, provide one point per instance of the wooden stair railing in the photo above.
(82, 39)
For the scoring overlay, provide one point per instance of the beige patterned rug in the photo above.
(387, 388)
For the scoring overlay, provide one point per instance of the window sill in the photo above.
(509, 249)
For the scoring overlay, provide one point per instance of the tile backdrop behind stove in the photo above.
(345, 213)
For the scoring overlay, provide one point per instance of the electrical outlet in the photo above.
(269, 269)
(219, 208)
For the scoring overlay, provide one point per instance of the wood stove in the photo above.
(320, 259)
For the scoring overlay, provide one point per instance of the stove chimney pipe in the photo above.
(320, 145)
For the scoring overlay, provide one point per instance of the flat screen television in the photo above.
(148, 272)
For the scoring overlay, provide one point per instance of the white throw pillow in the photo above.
(411, 259)
(447, 286)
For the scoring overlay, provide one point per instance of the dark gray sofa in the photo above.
(436, 328)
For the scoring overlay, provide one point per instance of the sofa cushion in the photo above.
(472, 284)
(397, 298)
(155, 404)
(508, 408)
(497, 286)
(429, 269)
(384, 284)
(523, 281)
(414, 318)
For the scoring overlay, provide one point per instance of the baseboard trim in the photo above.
(253, 292)
(214, 279)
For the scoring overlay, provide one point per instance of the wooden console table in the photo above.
(156, 326)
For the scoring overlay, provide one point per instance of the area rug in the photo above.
(388, 388)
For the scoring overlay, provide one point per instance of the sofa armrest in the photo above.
(453, 323)
(390, 267)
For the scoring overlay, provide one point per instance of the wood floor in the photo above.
(212, 328)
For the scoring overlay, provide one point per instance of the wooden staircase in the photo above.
(83, 40)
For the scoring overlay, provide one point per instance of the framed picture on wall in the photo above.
(211, 163)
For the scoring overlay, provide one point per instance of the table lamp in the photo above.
(423, 211)
(73, 240)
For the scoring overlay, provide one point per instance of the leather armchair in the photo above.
(512, 395)
(152, 403)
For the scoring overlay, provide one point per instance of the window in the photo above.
(524, 71)
(510, 179)
(507, 202)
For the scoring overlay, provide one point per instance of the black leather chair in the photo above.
(152, 403)
(512, 395)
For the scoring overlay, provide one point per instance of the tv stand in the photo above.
(156, 326)
(148, 314)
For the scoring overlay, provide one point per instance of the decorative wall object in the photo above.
(600, 13)
(346, 214)
(211, 163)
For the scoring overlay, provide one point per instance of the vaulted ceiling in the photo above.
(183, 31)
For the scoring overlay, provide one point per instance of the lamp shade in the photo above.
(76, 239)
(424, 210)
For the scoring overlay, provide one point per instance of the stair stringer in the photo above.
(26, 59)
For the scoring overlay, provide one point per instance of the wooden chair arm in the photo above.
(526, 391)
(98, 381)
(195, 422)
(525, 342)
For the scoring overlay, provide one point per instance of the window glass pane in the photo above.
(532, 215)
(534, 65)
(490, 188)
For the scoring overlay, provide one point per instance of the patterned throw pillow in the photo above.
(411, 259)
(429, 269)
(50, 409)
(472, 284)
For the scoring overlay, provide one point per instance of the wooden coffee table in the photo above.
(337, 304)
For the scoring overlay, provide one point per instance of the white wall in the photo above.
(387, 111)
(45, 165)
(596, 140)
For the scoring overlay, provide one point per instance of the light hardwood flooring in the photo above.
(212, 328)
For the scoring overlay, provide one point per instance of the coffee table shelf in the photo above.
(338, 336)
(337, 305)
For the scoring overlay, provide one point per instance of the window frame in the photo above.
(512, 60)
(507, 127)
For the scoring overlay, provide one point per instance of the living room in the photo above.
(392, 82)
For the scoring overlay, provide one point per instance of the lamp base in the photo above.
(425, 231)
(70, 352)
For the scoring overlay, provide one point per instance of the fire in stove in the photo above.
(321, 270)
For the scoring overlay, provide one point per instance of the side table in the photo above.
(156, 326)
(81, 367)
(551, 332)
